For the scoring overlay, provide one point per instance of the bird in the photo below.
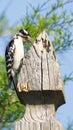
(14, 54)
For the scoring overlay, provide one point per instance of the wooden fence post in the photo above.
(41, 87)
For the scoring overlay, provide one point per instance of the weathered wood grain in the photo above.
(41, 69)
(39, 117)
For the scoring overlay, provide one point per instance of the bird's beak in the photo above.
(29, 38)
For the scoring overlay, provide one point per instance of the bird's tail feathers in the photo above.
(14, 81)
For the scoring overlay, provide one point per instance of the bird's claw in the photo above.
(24, 88)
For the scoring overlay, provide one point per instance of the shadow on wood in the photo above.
(44, 97)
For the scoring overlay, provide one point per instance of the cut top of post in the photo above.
(40, 71)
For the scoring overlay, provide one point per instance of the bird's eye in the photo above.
(21, 30)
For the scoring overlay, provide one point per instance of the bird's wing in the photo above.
(9, 55)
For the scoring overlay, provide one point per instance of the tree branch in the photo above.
(59, 5)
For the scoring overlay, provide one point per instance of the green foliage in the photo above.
(58, 26)
(3, 21)
(10, 107)
(70, 126)
(68, 78)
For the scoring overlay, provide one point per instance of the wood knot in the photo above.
(46, 44)
(43, 43)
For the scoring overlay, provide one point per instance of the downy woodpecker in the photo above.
(15, 53)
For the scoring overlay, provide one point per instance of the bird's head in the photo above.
(25, 35)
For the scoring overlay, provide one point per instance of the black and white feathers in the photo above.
(15, 52)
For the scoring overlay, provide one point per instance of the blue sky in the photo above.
(15, 12)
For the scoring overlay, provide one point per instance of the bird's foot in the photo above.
(24, 88)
